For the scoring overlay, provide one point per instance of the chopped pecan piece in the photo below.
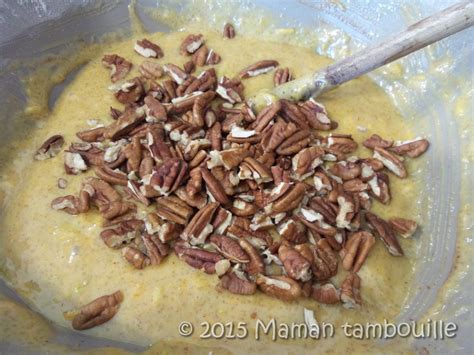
(135, 257)
(266, 116)
(290, 199)
(173, 209)
(282, 76)
(293, 231)
(342, 143)
(215, 187)
(322, 257)
(350, 291)
(212, 57)
(123, 234)
(111, 176)
(169, 176)
(73, 163)
(126, 122)
(97, 312)
(150, 70)
(261, 67)
(148, 49)
(108, 200)
(229, 31)
(176, 73)
(92, 135)
(346, 170)
(391, 162)
(191, 44)
(412, 149)
(356, 249)
(119, 67)
(325, 293)
(255, 265)
(155, 249)
(50, 148)
(200, 226)
(129, 92)
(198, 258)
(238, 285)
(385, 232)
(305, 162)
(291, 112)
(379, 187)
(243, 208)
(317, 116)
(282, 287)
(315, 221)
(252, 169)
(229, 248)
(376, 141)
(404, 227)
(296, 266)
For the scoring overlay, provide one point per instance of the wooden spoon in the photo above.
(429, 30)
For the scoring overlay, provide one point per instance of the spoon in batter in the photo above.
(419, 35)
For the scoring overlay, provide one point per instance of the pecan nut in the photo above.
(191, 44)
(238, 285)
(305, 162)
(150, 70)
(342, 143)
(385, 232)
(282, 76)
(261, 67)
(290, 199)
(404, 227)
(119, 67)
(198, 229)
(293, 230)
(148, 49)
(266, 116)
(281, 287)
(169, 176)
(155, 249)
(391, 162)
(129, 92)
(198, 258)
(252, 169)
(326, 293)
(376, 141)
(98, 312)
(255, 265)
(296, 266)
(350, 291)
(229, 31)
(215, 187)
(412, 149)
(50, 148)
(356, 250)
(229, 248)
(125, 123)
(123, 234)
(135, 257)
(173, 209)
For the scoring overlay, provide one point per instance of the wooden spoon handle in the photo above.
(431, 29)
(419, 35)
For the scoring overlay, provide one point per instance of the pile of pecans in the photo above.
(263, 200)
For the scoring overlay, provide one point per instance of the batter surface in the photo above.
(58, 262)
